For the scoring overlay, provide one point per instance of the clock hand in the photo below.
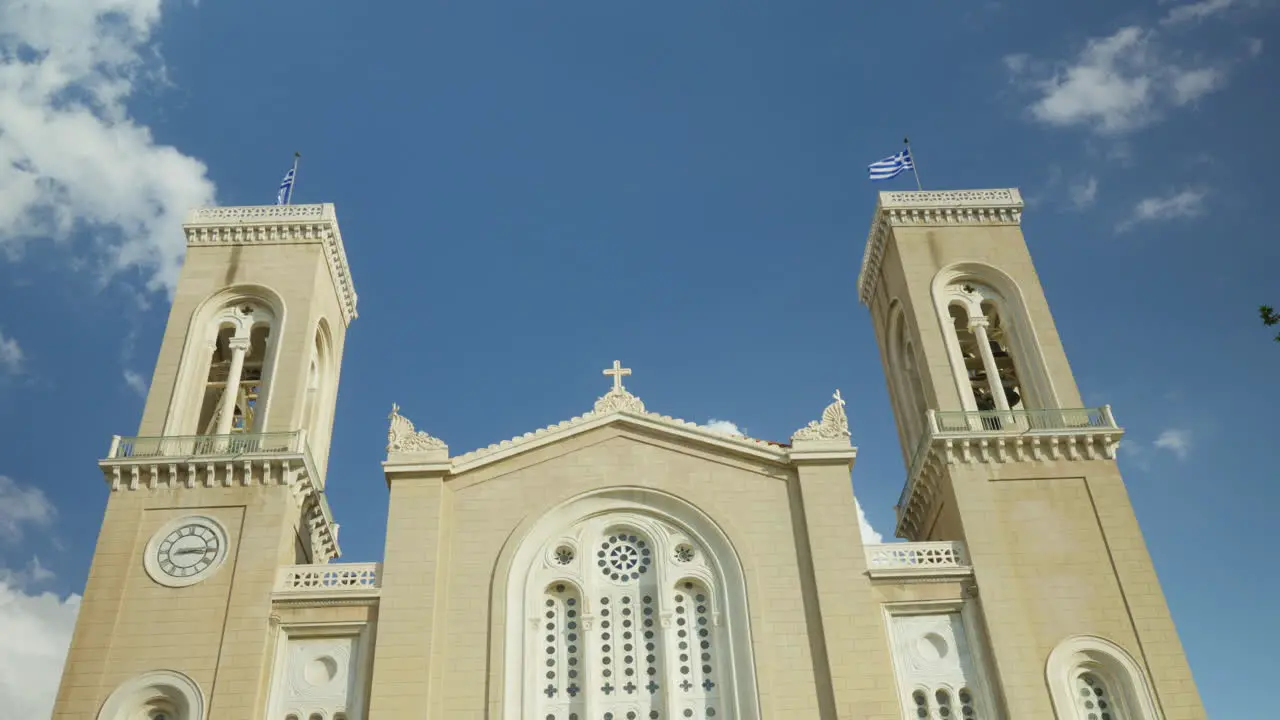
(190, 551)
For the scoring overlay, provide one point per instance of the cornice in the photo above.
(292, 470)
(923, 486)
(759, 449)
(947, 207)
(278, 225)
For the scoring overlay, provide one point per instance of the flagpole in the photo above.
(915, 173)
(298, 156)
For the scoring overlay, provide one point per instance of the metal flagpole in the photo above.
(907, 142)
(298, 156)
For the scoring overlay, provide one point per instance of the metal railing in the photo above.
(917, 556)
(339, 578)
(192, 446)
(950, 421)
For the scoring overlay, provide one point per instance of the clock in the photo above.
(185, 551)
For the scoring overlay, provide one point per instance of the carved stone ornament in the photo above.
(402, 438)
(618, 399)
(834, 424)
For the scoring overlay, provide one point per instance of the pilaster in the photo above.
(406, 667)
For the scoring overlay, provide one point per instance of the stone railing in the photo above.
(332, 579)
(941, 559)
(208, 446)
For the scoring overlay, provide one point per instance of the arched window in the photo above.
(159, 695)
(1091, 678)
(234, 383)
(904, 373)
(224, 375)
(619, 607)
(318, 402)
(996, 360)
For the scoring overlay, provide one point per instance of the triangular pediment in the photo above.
(408, 448)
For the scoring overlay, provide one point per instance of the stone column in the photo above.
(226, 414)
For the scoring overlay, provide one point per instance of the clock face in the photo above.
(186, 551)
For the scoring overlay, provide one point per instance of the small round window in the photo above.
(624, 557)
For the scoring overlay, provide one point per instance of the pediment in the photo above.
(412, 450)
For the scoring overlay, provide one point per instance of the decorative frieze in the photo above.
(949, 207)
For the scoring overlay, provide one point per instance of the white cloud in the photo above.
(1184, 204)
(1197, 11)
(1116, 84)
(724, 427)
(20, 507)
(869, 534)
(136, 382)
(36, 627)
(10, 355)
(1084, 193)
(1177, 442)
(71, 157)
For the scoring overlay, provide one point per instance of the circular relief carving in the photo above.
(624, 557)
(932, 647)
(321, 671)
(185, 551)
(563, 555)
(683, 553)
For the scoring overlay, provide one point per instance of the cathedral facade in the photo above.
(624, 564)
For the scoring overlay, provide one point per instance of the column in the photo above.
(226, 414)
(979, 329)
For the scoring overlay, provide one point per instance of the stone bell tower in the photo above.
(1002, 456)
(224, 482)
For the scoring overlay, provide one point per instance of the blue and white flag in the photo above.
(285, 193)
(892, 166)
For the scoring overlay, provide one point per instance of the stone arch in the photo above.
(321, 393)
(659, 517)
(207, 321)
(1004, 296)
(905, 379)
(161, 691)
(1084, 660)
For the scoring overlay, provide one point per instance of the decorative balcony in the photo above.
(918, 560)
(337, 581)
(994, 436)
(279, 458)
(181, 448)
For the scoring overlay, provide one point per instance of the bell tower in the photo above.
(1002, 456)
(224, 481)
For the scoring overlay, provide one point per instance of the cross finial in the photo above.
(618, 372)
(838, 398)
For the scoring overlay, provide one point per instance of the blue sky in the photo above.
(529, 190)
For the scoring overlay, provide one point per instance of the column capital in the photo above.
(239, 343)
(979, 322)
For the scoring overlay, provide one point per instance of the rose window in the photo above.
(624, 557)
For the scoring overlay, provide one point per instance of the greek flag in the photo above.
(892, 166)
(285, 193)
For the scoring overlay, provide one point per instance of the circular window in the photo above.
(624, 557)
(564, 555)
